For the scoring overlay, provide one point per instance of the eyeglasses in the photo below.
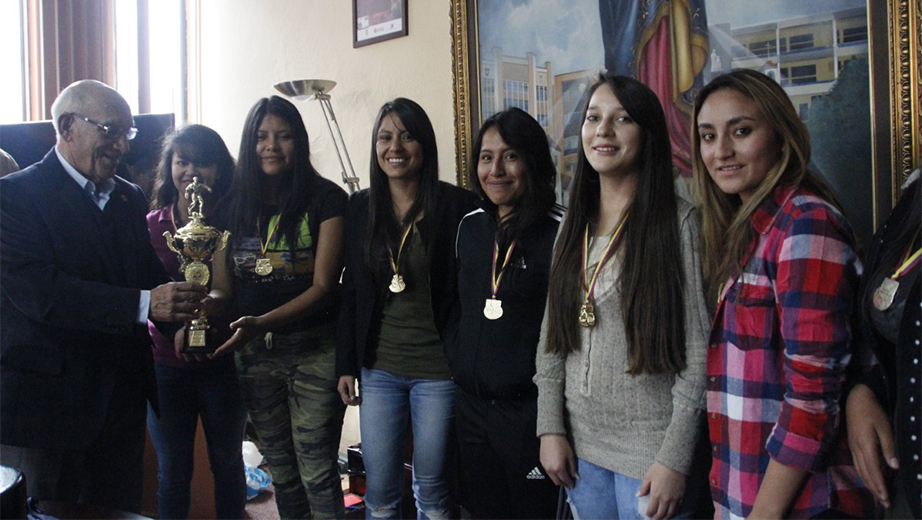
(111, 131)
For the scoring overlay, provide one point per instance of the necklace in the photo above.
(883, 296)
(263, 264)
(397, 283)
(587, 309)
(493, 308)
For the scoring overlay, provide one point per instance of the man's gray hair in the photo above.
(77, 96)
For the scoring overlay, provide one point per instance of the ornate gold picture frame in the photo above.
(894, 32)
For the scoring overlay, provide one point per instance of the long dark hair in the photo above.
(243, 205)
(523, 134)
(383, 227)
(652, 281)
(197, 144)
(726, 230)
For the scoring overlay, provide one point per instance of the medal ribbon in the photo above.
(908, 262)
(390, 251)
(273, 225)
(494, 279)
(589, 284)
(174, 212)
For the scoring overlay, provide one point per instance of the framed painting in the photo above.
(846, 64)
(375, 21)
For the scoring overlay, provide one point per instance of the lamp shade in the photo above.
(305, 89)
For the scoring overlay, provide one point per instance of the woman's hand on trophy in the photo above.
(215, 304)
(245, 329)
(179, 344)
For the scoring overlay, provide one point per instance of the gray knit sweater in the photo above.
(613, 419)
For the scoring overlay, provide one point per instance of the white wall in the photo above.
(249, 45)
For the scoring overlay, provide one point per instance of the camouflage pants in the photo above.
(290, 392)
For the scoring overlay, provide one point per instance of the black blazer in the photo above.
(70, 276)
(357, 312)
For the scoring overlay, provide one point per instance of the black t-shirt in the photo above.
(290, 275)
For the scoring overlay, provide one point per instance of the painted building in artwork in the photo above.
(805, 55)
(571, 89)
(508, 81)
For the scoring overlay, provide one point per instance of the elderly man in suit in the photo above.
(78, 282)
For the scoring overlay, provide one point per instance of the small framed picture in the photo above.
(374, 21)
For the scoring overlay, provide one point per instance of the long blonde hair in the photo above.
(726, 229)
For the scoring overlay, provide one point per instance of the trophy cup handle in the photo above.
(222, 240)
(169, 242)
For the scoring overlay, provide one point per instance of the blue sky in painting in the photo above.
(740, 13)
(568, 34)
(565, 33)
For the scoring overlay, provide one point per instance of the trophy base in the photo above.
(200, 341)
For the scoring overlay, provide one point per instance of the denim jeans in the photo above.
(602, 493)
(185, 394)
(388, 402)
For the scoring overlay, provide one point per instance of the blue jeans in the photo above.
(388, 402)
(214, 394)
(602, 493)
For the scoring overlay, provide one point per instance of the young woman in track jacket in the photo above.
(504, 256)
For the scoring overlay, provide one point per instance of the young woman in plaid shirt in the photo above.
(780, 263)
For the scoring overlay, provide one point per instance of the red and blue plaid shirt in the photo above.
(777, 354)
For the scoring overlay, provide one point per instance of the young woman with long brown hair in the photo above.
(189, 389)
(399, 285)
(780, 262)
(281, 271)
(620, 370)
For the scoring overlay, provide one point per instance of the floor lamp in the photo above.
(319, 89)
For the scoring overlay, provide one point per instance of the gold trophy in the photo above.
(194, 244)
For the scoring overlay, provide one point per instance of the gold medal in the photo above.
(397, 284)
(493, 309)
(587, 315)
(263, 267)
(586, 310)
(883, 296)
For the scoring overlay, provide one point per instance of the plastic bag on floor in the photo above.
(257, 481)
(251, 454)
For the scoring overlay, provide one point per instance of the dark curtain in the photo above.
(69, 40)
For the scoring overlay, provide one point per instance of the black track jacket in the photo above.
(495, 359)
